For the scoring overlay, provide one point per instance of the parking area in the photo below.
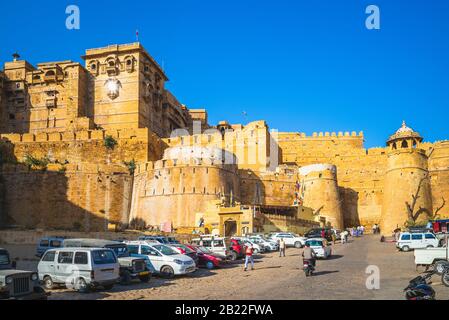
(343, 276)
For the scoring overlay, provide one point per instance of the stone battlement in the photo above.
(86, 135)
(301, 135)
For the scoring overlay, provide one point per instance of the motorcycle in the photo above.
(419, 288)
(445, 274)
(308, 267)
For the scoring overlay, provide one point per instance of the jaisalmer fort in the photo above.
(104, 146)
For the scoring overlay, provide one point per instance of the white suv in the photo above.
(291, 239)
(419, 240)
(161, 258)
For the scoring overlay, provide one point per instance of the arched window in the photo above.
(394, 146)
(50, 73)
(404, 144)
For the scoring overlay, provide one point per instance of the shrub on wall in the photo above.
(110, 142)
(31, 162)
(131, 166)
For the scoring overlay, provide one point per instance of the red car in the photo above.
(206, 258)
(237, 249)
(184, 249)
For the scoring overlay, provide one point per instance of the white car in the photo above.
(417, 240)
(268, 245)
(257, 247)
(291, 239)
(162, 259)
(321, 247)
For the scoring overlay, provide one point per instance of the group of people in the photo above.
(357, 231)
(376, 229)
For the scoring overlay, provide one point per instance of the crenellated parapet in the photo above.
(84, 135)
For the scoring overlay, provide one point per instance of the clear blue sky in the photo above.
(301, 65)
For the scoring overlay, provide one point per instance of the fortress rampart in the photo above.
(168, 191)
(83, 196)
(88, 146)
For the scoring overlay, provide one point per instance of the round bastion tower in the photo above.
(406, 179)
(319, 191)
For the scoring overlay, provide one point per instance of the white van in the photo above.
(418, 240)
(79, 268)
(162, 259)
(219, 246)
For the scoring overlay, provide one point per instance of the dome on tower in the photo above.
(404, 128)
(405, 133)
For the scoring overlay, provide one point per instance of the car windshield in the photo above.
(204, 250)
(103, 257)
(4, 258)
(315, 243)
(119, 250)
(166, 251)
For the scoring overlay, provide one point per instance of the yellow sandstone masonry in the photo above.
(104, 144)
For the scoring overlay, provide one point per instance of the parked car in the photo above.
(172, 240)
(48, 243)
(438, 257)
(159, 239)
(418, 240)
(317, 233)
(320, 246)
(18, 284)
(130, 267)
(237, 249)
(162, 259)
(79, 268)
(206, 258)
(217, 245)
(258, 248)
(183, 249)
(291, 239)
(268, 245)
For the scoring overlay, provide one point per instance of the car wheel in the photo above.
(209, 265)
(233, 256)
(405, 248)
(125, 278)
(439, 267)
(48, 283)
(429, 246)
(445, 279)
(145, 279)
(298, 245)
(256, 251)
(81, 285)
(167, 272)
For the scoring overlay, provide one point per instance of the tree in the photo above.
(414, 214)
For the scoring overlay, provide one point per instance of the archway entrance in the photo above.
(230, 228)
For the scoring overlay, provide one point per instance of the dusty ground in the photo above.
(341, 277)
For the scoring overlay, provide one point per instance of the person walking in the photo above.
(342, 235)
(249, 257)
(281, 247)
